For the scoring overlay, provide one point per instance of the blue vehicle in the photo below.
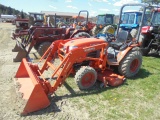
(130, 20)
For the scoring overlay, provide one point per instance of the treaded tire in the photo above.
(130, 64)
(85, 77)
(144, 50)
(108, 29)
(36, 46)
(134, 33)
(38, 24)
(95, 30)
(43, 47)
(82, 34)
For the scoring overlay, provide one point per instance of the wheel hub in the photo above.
(88, 79)
(134, 65)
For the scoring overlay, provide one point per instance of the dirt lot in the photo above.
(59, 108)
(136, 99)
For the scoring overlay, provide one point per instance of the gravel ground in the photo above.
(60, 108)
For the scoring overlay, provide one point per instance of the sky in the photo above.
(94, 7)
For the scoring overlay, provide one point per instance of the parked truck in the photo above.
(7, 18)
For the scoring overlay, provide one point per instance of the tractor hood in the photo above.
(145, 29)
(128, 26)
(84, 42)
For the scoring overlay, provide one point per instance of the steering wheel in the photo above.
(108, 37)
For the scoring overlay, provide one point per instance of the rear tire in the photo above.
(134, 33)
(108, 29)
(95, 30)
(36, 47)
(82, 34)
(130, 64)
(43, 47)
(143, 44)
(85, 77)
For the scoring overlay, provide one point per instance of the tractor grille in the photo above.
(94, 54)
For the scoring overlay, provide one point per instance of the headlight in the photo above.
(72, 47)
(68, 48)
(151, 28)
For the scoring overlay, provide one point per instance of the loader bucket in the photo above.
(17, 47)
(29, 90)
(20, 55)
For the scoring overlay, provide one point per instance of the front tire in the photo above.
(130, 64)
(108, 29)
(82, 34)
(43, 47)
(85, 77)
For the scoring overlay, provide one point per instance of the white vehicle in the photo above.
(7, 18)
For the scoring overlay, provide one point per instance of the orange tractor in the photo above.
(89, 59)
(80, 22)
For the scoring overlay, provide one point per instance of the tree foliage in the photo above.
(22, 14)
(11, 11)
(151, 2)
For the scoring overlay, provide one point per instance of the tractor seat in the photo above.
(121, 40)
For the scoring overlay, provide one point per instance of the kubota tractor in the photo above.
(89, 59)
(150, 34)
(105, 24)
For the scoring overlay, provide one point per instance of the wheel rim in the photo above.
(111, 30)
(134, 65)
(88, 80)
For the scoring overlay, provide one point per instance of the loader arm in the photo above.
(66, 65)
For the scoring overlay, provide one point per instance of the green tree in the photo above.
(22, 14)
(1, 12)
(6, 11)
(13, 12)
(9, 10)
(151, 2)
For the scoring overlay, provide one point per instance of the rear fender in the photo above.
(68, 31)
(123, 53)
(90, 25)
(77, 31)
(145, 29)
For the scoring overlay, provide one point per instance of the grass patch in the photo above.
(138, 98)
